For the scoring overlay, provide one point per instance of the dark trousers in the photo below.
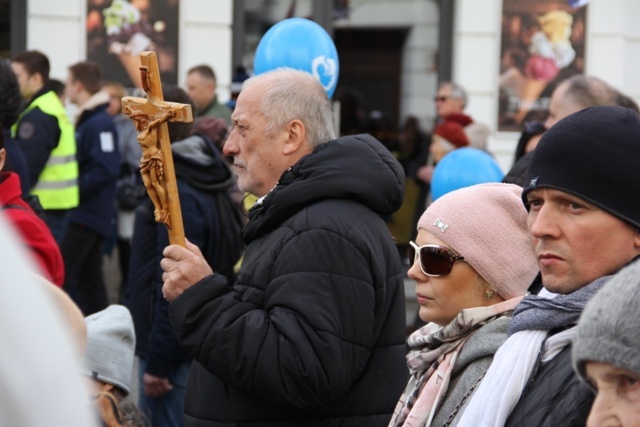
(58, 221)
(84, 281)
(124, 253)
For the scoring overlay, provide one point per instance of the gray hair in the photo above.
(457, 91)
(588, 91)
(294, 94)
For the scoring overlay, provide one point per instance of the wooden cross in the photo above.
(150, 117)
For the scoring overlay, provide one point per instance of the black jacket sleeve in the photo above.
(299, 340)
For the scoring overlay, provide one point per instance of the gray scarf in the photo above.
(539, 313)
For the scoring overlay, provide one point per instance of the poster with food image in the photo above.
(118, 30)
(543, 43)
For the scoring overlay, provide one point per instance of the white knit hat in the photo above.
(487, 225)
(110, 346)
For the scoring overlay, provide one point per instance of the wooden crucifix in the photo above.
(150, 117)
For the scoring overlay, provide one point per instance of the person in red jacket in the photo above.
(35, 234)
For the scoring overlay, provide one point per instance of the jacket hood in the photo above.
(199, 163)
(356, 167)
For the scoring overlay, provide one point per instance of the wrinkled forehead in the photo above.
(248, 105)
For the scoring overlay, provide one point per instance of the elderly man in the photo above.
(201, 87)
(605, 350)
(451, 100)
(576, 93)
(313, 330)
(584, 220)
(571, 95)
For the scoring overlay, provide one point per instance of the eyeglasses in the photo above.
(441, 98)
(435, 260)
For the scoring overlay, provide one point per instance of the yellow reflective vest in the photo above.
(57, 186)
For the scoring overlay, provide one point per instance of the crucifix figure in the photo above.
(152, 161)
(150, 117)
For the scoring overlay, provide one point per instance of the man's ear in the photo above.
(3, 158)
(296, 137)
(38, 77)
(636, 241)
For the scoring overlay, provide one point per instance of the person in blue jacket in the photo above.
(203, 180)
(99, 165)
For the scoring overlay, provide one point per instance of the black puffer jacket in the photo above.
(556, 397)
(313, 331)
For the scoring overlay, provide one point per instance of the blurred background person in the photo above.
(201, 87)
(58, 87)
(108, 364)
(529, 138)
(129, 188)
(23, 210)
(33, 231)
(92, 222)
(570, 96)
(39, 361)
(45, 136)
(451, 100)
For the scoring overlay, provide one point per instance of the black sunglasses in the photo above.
(441, 98)
(435, 260)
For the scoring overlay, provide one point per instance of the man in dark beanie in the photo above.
(584, 220)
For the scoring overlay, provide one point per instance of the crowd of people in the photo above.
(71, 187)
(296, 315)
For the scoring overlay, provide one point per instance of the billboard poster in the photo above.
(118, 30)
(543, 43)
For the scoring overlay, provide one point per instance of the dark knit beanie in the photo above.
(608, 328)
(593, 154)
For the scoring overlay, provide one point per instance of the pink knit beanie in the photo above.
(487, 225)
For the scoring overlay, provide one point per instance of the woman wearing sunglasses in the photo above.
(472, 263)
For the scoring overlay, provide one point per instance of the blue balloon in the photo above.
(464, 167)
(301, 44)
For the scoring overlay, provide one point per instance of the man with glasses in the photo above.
(451, 100)
(584, 221)
(313, 330)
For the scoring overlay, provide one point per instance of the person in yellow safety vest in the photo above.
(45, 136)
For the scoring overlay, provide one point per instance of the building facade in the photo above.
(395, 51)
